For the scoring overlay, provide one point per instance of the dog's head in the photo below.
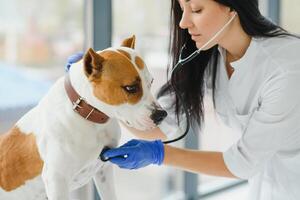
(121, 80)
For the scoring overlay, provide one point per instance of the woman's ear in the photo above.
(233, 12)
(129, 42)
(92, 64)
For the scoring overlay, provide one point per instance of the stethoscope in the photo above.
(181, 61)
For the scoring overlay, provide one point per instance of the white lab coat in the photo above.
(262, 101)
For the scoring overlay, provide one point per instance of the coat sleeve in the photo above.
(273, 127)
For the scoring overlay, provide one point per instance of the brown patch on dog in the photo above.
(129, 42)
(124, 53)
(117, 72)
(19, 159)
(139, 62)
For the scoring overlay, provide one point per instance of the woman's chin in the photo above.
(199, 45)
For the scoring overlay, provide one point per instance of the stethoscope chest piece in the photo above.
(105, 159)
(101, 156)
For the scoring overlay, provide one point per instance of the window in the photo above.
(39, 36)
(35, 40)
(289, 12)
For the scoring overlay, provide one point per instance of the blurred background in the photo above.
(37, 36)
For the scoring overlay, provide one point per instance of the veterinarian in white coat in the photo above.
(253, 69)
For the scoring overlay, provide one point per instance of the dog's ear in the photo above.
(92, 64)
(129, 42)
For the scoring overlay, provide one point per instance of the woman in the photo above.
(253, 69)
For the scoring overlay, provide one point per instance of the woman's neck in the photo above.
(236, 42)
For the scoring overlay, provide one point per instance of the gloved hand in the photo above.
(136, 154)
(73, 59)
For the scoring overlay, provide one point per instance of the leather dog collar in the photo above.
(81, 107)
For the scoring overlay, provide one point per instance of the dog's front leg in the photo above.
(104, 181)
(56, 184)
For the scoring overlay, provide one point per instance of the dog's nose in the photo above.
(158, 115)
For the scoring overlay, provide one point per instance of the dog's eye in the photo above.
(131, 89)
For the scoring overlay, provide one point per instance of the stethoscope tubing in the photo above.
(179, 64)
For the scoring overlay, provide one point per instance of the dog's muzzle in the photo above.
(158, 115)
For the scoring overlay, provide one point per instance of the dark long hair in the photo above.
(189, 81)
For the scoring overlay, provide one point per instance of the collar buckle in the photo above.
(76, 104)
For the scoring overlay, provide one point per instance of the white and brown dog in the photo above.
(54, 148)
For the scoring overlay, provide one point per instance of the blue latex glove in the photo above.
(136, 154)
(73, 59)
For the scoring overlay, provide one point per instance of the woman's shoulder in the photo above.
(282, 51)
(278, 44)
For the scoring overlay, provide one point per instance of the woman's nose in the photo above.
(185, 21)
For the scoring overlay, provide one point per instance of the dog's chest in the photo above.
(107, 137)
(86, 174)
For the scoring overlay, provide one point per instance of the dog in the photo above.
(54, 148)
